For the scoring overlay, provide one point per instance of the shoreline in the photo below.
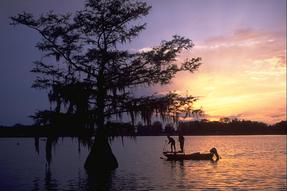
(162, 135)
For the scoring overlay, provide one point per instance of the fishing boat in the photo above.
(175, 156)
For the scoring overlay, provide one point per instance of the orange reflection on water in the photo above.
(248, 162)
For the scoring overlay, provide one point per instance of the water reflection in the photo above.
(49, 146)
(51, 143)
(50, 183)
(83, 182)
(37, 144)
(87, 182)
(99, 182)
(258, 165)
(36, 184)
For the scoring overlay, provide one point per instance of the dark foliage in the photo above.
(89, 79)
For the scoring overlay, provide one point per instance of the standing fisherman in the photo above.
(181, 142)
(172, 143)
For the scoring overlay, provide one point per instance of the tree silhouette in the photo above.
(90, 79)
(156, 127)
(169, 128)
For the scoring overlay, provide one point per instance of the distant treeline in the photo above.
(223, 127)
(234, 127)
(204, 127)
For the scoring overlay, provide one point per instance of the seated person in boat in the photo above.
(171, 141)
(181, 142)
(214, 152)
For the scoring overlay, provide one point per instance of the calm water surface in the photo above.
(248, 163)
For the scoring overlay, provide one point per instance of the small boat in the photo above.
(213, 155)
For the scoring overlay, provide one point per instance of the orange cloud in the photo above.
(243, 73)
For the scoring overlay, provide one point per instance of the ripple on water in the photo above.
(248, 163)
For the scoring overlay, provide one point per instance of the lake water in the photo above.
(248, 163)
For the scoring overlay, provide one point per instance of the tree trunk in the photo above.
(101, 158)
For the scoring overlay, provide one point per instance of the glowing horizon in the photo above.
(242, 44)
(243, 76)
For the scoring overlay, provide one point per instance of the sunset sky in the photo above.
(242, 44)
